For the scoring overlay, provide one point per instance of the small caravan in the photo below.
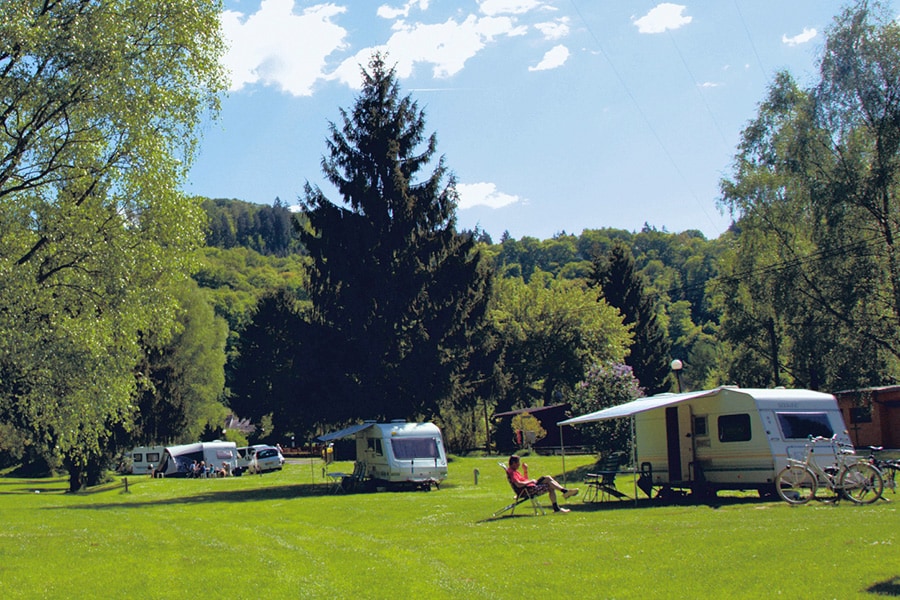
(725, 438)
(145, 458)
(177, 460)
(397, 454)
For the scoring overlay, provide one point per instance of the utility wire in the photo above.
(642, 114)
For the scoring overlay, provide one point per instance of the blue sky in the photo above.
(554, 115)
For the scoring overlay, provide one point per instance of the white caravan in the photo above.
(177, 460)
(725, 438)
(145, 458)
(397, 454)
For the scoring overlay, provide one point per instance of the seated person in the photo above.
(537, 486)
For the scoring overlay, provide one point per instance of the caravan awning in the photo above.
(636, 406)
(346, 432)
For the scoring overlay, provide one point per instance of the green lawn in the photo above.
(282, 536)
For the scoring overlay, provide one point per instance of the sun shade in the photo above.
(636, 406)
(348, 431)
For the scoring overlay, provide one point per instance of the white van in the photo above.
(259, 458)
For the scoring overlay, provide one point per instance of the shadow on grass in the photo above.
(890, 587)
(277, 492)
(575, 506)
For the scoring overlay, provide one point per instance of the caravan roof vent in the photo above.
(398, 420)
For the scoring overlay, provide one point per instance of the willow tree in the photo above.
(98, 105)
(401, 288)
(814, 281)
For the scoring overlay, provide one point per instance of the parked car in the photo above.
(260, 458)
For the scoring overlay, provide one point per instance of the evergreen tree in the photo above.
(391, 276)
(623, 287)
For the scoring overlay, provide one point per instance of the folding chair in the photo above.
(523, 494)
(602, 484)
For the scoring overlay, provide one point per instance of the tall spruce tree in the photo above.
(622, 287)
(402, 290)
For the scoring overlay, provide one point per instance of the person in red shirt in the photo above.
(545, 484)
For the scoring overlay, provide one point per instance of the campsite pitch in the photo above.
(284, 535)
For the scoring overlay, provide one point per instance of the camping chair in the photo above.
(348, 482)
(601, 486)
(523, 494)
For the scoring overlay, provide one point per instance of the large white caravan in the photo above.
(177, 460)
(397, 454)
(725, 438)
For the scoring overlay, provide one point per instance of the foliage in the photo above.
(813, 281)
(183, 378)
(550, 331)
(100, 103)
(605, 385)
(285, 369)
(529, 428)
(269, 230)
(623, 288)
(401, 290)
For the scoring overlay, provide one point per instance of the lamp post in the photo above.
(677, 366)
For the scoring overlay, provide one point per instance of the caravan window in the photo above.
(734, 428)
(375, 446)
(151, 457)
(799, 426)
(409, 448)
(138, 457)
(700, 429)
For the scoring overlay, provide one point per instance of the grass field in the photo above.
(282, 535)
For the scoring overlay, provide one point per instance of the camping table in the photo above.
(337, 482)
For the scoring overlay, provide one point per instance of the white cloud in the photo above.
(554, 57)
(274, 46)
(800, 38)
(388, 12)
(709, 84)
(507, 7)
(445, 46)
(483, 194)
(554, 30)
(662, 17)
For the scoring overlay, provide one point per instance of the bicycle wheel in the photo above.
(796, 484)
(861, 483)
(889, 476)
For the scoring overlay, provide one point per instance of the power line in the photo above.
(642, 114)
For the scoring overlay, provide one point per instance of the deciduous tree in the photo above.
(98, 107)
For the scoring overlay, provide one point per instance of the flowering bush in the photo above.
(605, 385)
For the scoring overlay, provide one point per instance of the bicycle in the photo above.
(889, 468)
(850, 477)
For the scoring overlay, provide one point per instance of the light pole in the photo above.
(677, 366)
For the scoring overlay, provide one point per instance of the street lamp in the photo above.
(677, 366)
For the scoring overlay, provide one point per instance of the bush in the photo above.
(606, 384)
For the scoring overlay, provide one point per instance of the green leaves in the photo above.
(98, 106)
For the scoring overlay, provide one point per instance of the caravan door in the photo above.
(679, 442)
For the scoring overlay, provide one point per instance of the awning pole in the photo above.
(634, 458)
(562, 446)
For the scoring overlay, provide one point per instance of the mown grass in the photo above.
(282, 536)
